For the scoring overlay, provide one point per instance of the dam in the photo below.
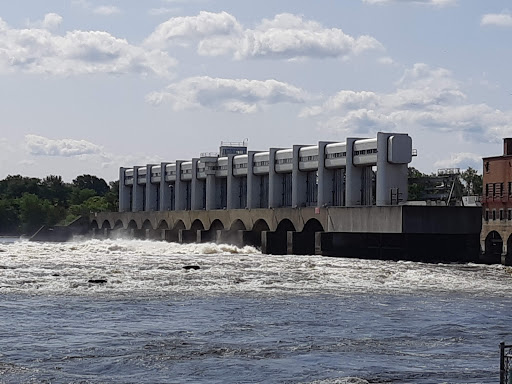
(333, 198)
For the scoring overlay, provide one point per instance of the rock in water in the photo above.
(97, 281)
(195, 267)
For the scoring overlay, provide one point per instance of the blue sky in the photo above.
(88, 86)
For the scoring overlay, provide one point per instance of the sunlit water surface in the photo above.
(126, 311)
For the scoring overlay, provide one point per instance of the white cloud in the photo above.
(51, 21)
(184, 29)
(289, 36)
(106, 10)
(65, 156)
(286, 36)
(461, 160)
(162, 11)
(386, 60)
(26, 162)
(497, 19)
(43, 146)
(82, 3)
(233, 95)
(436, 3)
(425, 98)
(39, 51)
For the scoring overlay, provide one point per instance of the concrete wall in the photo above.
(453, 220)
(419, 233)
(390, 219)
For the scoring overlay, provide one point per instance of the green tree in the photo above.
(98, 185)
(112, 196)
(472, 182)
(15, 186)
(28, 203)
(55, 190)
(413, 173)
(92, 205)
(33, 212)
(9, 217)
(79, 196)
(416, 187)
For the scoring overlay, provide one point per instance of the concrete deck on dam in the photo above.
(426, 233)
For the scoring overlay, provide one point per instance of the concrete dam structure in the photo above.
(338, 199)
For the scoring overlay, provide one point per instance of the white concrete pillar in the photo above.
(152, 191)
(325, 178)
(394, 153)
(138, 194)
(299, 180)
(210, 166)
(253, 183)
(275, 181)
(197, 186)
(211, 193)
(233, 187)
(124, 191)
(353, 177)
(367, 186)
(180, 189)
(165, 190)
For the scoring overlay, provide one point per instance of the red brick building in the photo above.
(496, 239)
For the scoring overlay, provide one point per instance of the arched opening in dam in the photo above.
(210, 235)
(255, 235)
(303, 243)
(276, 243)
(238, 225)
(191, 235)
(172, 234)
(493, 245)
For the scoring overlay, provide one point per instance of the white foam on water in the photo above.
(134, 267)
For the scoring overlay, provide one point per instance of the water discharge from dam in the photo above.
(139, 311)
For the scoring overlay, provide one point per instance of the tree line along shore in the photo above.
(27, 203)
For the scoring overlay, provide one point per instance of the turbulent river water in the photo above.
(127, 311)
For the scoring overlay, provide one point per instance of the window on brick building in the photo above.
(486, 215)
(502, 214)
(498, 188)
(509, 214)
(487, 166)
(494, 214)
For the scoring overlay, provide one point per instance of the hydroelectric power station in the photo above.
(334, 198)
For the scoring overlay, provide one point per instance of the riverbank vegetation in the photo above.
(27, 203)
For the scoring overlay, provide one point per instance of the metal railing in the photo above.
(209, 154)
(448, 171)
(505, 364)
(233, 143)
